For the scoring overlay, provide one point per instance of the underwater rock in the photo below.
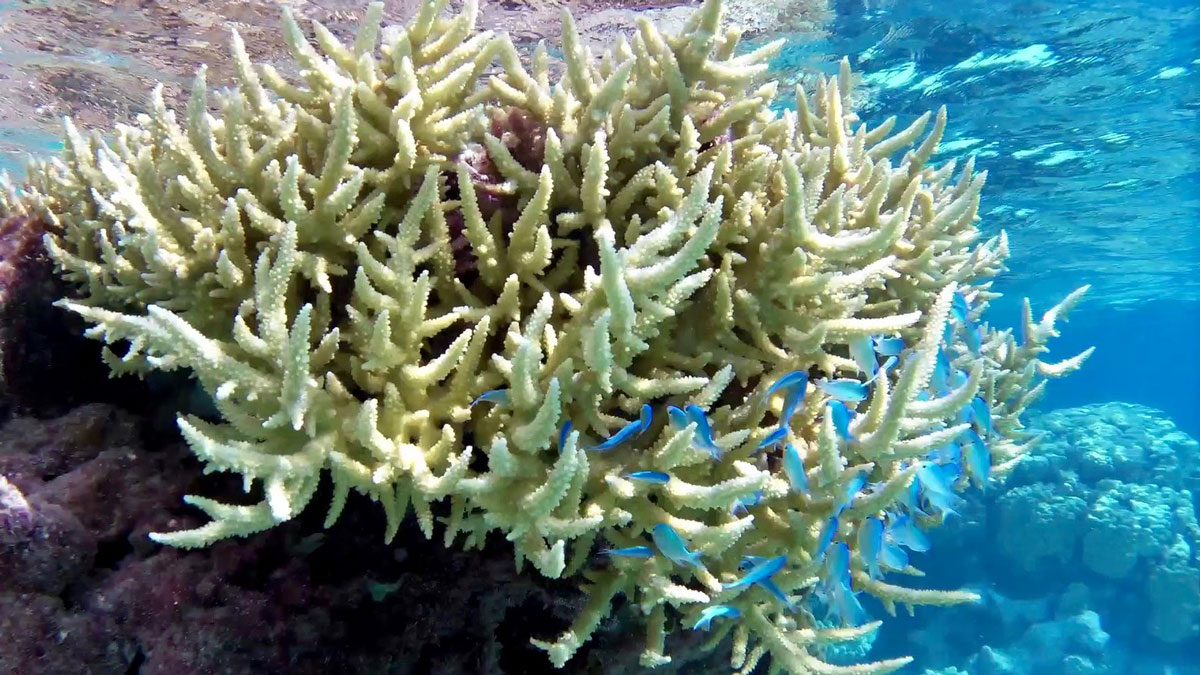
(1085, 557)
(78, 494)
(1073, 644)
(1032, 519)
(42, 546)
(46, 365)
(77, 644)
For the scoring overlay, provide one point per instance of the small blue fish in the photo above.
(960, 311)
(837, 563)
(767, 584)
(791, 403)
(948, 462)
(716, 611)
(841, 416)
(776, 437)
(630, 552)
(758, 573)
(903, 531)
(910, 499)
(870, 544)
(749, 563)
(793, 466)
(628, 432)
(891, 346)
(979, 458)
(958, 378)
(863, 353)
(825, 538)
(703, 430)
(844, 607)
(851, 391)
(959, 308)
(653, 477)
(849, 491)
(564, 433)
(883, 370)
(797, 379)
(936, 483)
(971, 337)
(670, 544)
(794, 386)
(678, 418)
(776, 592)
(963, 416)
(947, 334)
(947, 454)
(742, 503)
(941, 373)
(983, 416)
(497, 396)
(893, 557)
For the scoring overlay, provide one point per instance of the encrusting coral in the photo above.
(584, 313)
(1111, 491)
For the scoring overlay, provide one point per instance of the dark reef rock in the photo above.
(83, 590)
(43, 547)
(46, 365)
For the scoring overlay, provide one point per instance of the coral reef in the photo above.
(1032, 636)
(1111, 490)
(633, 305)
(1029, 547)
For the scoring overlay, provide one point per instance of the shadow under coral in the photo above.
(82, 583)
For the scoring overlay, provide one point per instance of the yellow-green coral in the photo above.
(348, 261)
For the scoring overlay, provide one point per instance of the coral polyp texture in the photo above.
(1111, 491)
(631, 311)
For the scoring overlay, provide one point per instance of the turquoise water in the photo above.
(1084, 114)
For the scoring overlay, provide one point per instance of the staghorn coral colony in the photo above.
(724, 362)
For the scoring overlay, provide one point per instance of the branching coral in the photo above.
(440, 281)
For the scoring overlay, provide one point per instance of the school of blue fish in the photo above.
(883, 541)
